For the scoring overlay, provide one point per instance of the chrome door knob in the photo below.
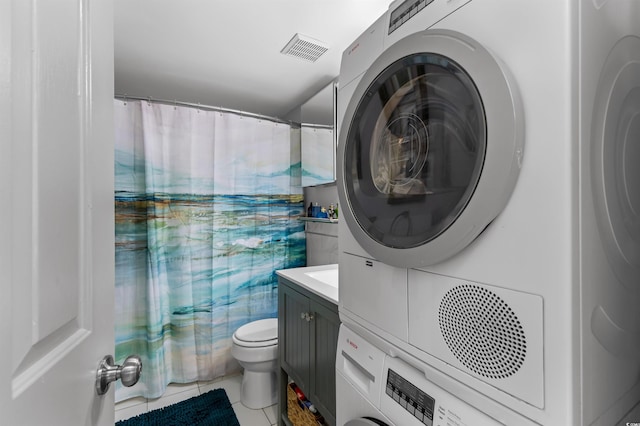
(128, 372)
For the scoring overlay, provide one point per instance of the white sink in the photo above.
(327, 276)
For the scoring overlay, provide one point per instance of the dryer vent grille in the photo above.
(482, 331)
(304, 47)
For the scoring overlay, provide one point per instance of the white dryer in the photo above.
(490, 201)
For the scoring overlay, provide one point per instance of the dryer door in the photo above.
(430, 148)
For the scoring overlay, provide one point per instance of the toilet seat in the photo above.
(260, 333)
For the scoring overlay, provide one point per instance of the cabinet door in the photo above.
(324, 343)
(295, 335)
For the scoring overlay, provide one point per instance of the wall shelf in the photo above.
(317, 219)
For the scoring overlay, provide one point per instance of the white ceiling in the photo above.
(226, 53)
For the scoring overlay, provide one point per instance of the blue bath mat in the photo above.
(209, 409)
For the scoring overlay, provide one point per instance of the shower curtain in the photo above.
(206, 210)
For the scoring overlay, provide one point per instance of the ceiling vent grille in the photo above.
(304, 47)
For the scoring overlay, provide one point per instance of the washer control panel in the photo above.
(416, 402)
(409, 399)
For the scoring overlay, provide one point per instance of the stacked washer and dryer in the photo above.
(489, 184)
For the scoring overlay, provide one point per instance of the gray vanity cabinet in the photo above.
(307, 341)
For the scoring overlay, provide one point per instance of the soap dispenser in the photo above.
(315, 210)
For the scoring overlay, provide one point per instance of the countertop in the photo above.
(321, 280)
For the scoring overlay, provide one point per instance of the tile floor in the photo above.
(179, 392)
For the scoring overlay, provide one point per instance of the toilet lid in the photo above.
(258, 331)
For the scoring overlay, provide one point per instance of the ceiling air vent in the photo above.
(304, 47)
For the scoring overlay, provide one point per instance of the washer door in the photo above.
(430, 148)
(365, 421)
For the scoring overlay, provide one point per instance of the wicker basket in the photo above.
(299, 415)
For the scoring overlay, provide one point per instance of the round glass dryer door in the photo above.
(429, 149)
(416, 155)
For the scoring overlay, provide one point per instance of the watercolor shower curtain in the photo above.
(206, 206)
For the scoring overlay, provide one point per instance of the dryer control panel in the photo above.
(404, 12)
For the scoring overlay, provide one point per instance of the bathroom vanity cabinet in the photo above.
(307, 341)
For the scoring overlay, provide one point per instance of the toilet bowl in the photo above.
(255, 347)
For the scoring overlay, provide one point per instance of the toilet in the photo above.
(255, 347)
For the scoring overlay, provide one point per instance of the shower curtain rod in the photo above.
(205, 107)
(316, 126)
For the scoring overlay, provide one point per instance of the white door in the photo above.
(56, 210)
